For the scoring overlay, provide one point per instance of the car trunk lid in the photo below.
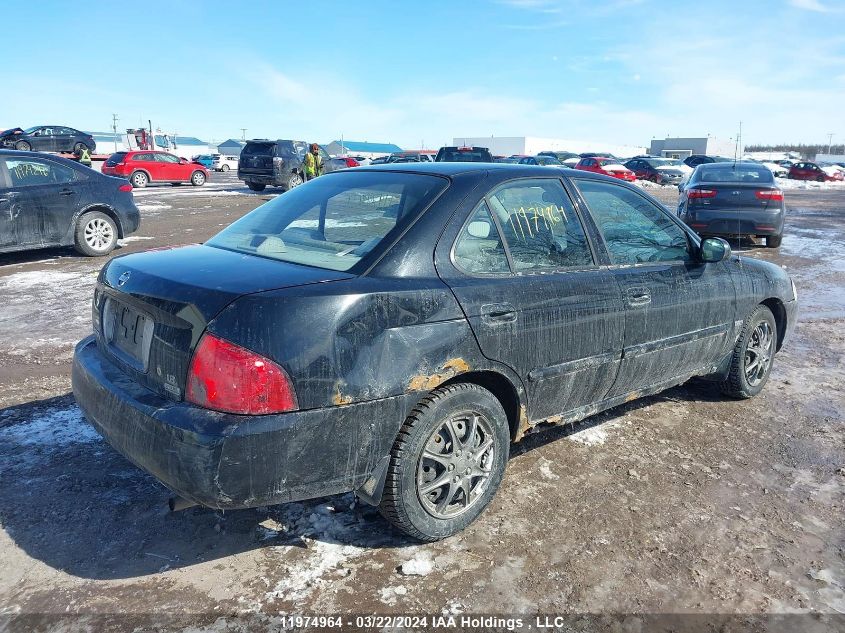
(151, 308)
(734, 196)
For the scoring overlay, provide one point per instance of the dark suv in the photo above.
(276, 163)
(463, 155)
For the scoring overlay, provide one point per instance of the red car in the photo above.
(606, 166)
(811, 171)
(144, 167)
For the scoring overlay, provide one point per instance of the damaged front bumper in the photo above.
(232, 461)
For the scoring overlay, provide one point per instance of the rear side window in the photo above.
(334, 221)
(479, 249)
(143, 158)
(115, 158)
(540, 226)
(634, 229)
(29, 172)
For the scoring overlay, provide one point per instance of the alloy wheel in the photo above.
(99, 234)
(758, 354)
(455, 465)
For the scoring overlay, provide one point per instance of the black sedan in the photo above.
(735, 199)
(47, 138)
(51, 201)
(659, 170)
(392, 330)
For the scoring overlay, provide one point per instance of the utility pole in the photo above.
(829, 141)
(114, 121)
(243, 133)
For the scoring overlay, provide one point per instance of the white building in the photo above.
(532, 145)
(682, 147)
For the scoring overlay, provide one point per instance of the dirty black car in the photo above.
(392, 330)
(51, 201)
(47, 138)
(734, 199)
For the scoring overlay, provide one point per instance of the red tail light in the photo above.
(694, 194)
(126, 187)
(351, 162)
(226, 377)
(774, 195)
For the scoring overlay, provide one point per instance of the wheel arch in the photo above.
(502, 389)
(779, 312)
(102, 208)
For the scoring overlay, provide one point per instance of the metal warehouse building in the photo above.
(531, 145)
(361, 148)
(679, 147)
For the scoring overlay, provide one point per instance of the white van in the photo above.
(224, 163)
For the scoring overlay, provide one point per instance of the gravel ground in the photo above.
(679, 503)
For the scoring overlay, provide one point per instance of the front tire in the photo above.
(447, 462)
(754, 352)
(139, 180)
(198, 179)
(95, 235)
(224, 168)
(23, 146)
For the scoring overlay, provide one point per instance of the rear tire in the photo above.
(139, 179)
(820, 179)
(198, 179)
(773, 241)
(224, 168)
(255, 186)
(23, 146)
(458, 436)
(79, 148)
(753, 355)
(294, 181)
(95, 235)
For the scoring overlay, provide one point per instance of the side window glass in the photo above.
(634, 229)
(478, 249)
(28, 172)
(540, 225)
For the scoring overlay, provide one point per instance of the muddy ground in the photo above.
(684, 502)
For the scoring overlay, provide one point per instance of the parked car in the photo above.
(418, 156)
(343, 162)
(392, 330)
(545, 161)
(779, 171)
(607, 167)
(223, 162)
(206, 160)
(810, 171)
(700, 159)
(50, 201)
(735, 199)
(656, 170)
(47, 138)
(464, 155)
(561, 156)
(145, 167)
(512, 160)
(276, 163)
(381, 160)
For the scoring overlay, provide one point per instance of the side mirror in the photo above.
(714, 249)
(183, 161)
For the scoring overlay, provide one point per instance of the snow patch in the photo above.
(133, 238)
(418, 566)
(53, 428)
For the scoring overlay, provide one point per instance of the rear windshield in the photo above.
(115, 158)
(253, 149)
(474, 155)
(729, 172)
(334, 221)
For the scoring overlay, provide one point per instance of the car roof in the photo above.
(501, 169)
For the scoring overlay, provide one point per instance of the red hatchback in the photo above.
(810, 171)
(144, 167)
(606, 166)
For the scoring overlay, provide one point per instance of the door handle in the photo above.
(66, 192)
(495, 313)
(638, 296)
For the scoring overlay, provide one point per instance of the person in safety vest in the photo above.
(313, 163)
(85, 157)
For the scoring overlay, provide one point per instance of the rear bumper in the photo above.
(734, 223)
(231, 461)
(264, 178)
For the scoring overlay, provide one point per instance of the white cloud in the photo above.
(809, 5)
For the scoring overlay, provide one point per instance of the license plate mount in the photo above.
(128, 333)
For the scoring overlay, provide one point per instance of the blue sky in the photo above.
(612, 71)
